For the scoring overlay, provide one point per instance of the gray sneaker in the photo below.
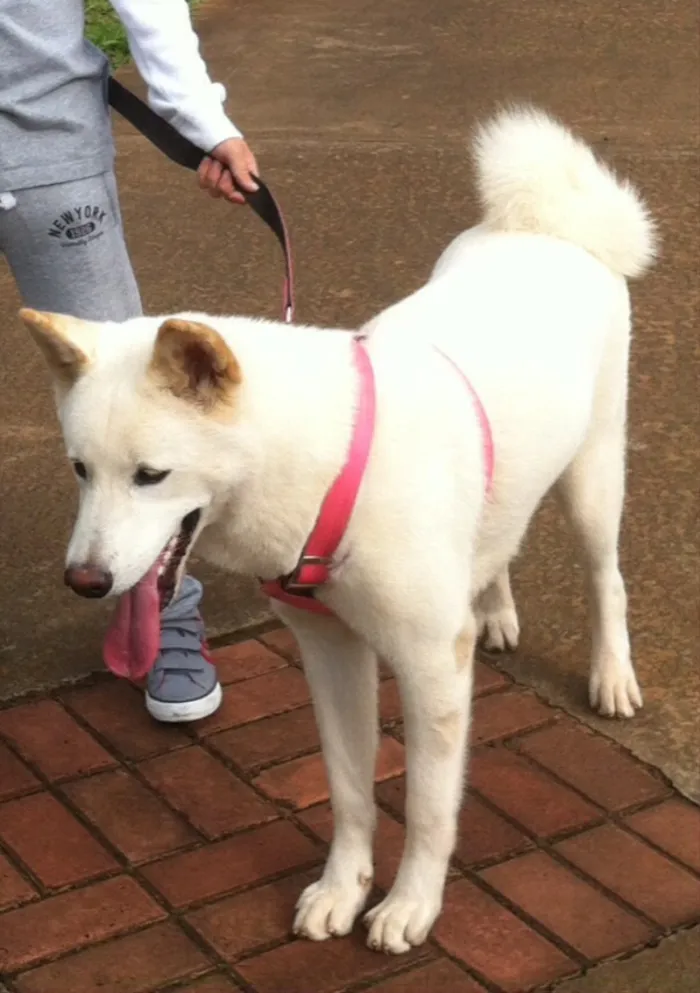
(183, 685)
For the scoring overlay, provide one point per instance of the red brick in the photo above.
(586, 919)
(501, 715)
(51, 842)
(388, 840)
(485, 835)
(263, 696)
(13, 888)
(302, 782)
(284, 642)
(486, 679)
(526, 794)
(478, 931)
(272, 739)
(49, 737)
(482, 835)
(244, 923)
(71, 920)
(442, 976)
(227, 865)
(673, 826)
(159, 955)
(245, 660)
(389, 701)
(319, 819)
(210, 796)
(138, 823)
(333, 964)
(594, 765)
(15, 777)
(664, 891)
(115, 709)
(210, 984)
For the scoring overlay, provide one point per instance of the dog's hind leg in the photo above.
(342, 674)
(592, 492)
(496, 616)
(435, 683)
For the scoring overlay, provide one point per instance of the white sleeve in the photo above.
(166, 52)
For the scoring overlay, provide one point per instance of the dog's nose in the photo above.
(88, 580)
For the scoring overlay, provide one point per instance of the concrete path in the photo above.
(359, 112)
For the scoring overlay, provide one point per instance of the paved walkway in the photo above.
(137, 858)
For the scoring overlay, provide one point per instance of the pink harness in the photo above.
(297, 588)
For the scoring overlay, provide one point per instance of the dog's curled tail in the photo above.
(534, 175)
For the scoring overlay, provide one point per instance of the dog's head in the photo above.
(147, 409)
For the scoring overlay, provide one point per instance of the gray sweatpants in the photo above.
(65, 246)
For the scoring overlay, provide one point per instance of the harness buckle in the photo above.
(293, 582)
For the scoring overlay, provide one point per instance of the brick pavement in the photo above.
(138, 858)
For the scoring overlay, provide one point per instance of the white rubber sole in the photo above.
(189, 710)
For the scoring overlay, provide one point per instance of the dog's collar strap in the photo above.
(298, 588)
(185, 153)
(314, 566)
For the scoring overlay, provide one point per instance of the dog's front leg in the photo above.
(342, 674)
(435, 681)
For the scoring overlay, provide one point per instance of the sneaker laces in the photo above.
(182, 642)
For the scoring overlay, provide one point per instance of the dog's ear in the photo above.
(194, 363)
(65, 342)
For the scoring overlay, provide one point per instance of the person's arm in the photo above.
(165, 49)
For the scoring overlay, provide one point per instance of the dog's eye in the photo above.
(149, 477)
(80, 470)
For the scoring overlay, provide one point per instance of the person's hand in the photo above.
(231, 157)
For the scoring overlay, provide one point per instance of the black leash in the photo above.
(185, 153)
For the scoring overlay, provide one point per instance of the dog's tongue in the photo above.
(133, 640)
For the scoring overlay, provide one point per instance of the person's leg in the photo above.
(65, 246)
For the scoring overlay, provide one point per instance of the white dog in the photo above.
(230, 432)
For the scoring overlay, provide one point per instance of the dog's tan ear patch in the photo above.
(62, 340)
(194, 363)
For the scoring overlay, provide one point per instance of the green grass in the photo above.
(104, 29)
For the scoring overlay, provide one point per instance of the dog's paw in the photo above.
(613, 689)
(328, 910)
(499, 630)
(399, 923)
